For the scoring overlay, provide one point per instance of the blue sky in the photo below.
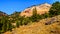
(10, 6)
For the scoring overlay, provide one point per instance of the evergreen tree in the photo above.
(46, 15)
(55, 9)
(34, 12)
(17, 24)
(26, 21)
(34, 16)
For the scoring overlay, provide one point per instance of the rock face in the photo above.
(41, 9)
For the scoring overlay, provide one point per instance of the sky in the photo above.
(10, 6)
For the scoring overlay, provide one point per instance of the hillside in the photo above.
(2, 13)
(43, 20)
(40, 27)
(41, 9)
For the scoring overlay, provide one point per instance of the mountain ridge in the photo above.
(41, 9)
(2, 13)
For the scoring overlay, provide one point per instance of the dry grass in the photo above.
(38, 28)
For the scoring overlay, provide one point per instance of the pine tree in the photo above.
(17, 24)
(34, 11)
(55, 9)
(34, 16)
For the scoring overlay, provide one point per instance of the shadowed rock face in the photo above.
(41, 9)
(51, 21)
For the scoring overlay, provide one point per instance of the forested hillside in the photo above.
(9, 22)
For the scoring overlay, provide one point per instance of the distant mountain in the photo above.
(41, 9)
(2, 13)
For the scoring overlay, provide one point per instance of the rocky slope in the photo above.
(41, 9)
